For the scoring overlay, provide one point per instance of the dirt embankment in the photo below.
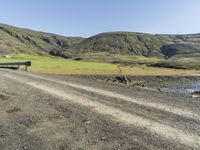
(66, 112)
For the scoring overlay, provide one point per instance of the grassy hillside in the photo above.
(15, 40)
(139, 48)
(124, 43)
(183, 49)
(184, 54)
(125, 48)
(148, 45)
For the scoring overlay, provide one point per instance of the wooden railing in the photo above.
(15, 65)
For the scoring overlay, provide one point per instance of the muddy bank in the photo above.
(181, 85)
(156, 82)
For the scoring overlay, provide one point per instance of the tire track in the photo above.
(159, 106)
(118, 115)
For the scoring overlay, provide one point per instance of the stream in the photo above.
(192, 89)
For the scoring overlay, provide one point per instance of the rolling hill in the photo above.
(142, 44)
(125, 43)
(178, 51)
(15, 40)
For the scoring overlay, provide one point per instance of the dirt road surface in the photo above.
(47, 112)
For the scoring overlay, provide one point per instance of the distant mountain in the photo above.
(15, 40)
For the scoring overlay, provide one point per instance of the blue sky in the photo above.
(89, 17)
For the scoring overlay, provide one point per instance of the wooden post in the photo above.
(26, 68)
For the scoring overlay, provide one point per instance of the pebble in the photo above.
(25, 147)
(103, 138)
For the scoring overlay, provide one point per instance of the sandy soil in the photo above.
(64, 112)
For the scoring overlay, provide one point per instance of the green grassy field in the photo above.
(116, 58)
(56, 65)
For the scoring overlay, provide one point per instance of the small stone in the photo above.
(86, 131)
(103, 138)
(25, 147)
(89, 141)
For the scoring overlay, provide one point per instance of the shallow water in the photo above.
(187, 89)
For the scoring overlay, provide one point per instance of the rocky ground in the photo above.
(87, 112)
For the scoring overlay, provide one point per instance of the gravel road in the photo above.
(47, 112)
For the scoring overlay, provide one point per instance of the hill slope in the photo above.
(17, 40)
(115, 47)
(125, 43)
(140, 44)
(179, 51)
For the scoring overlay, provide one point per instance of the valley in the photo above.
(123, 48)
(115, 90)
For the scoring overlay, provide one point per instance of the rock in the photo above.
(196, 93)
(59, 54)
(77, 59)
(13, 110)
(123, 79)
(24, 147)
(103, 138)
